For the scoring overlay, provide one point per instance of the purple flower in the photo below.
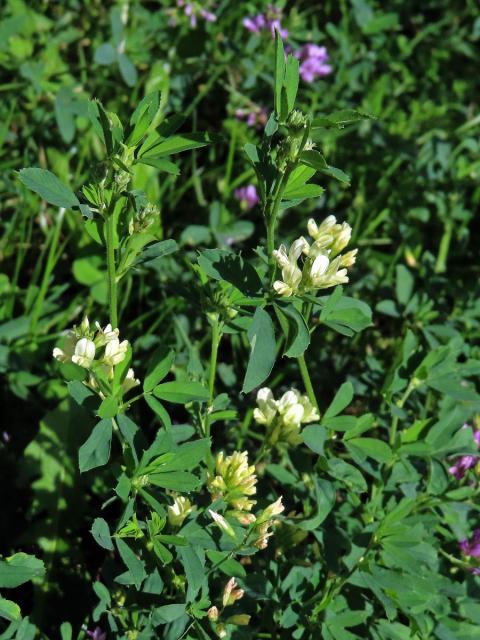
(464, 463)
(471, 547)
(254, 24)
(247, 196)
(313, 62)
(97, 634)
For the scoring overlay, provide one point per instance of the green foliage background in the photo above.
(412, 201)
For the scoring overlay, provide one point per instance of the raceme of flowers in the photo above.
(254, 117)
(284, 417)
(464, 463)
(268, 21)
(234, 482)
(324, 266)
(313, 58)
(96, 350)
(193, 10)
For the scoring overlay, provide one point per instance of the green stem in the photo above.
(441, 263)
(271, 212)
(394, 425)
(51, 261)
(216, 337)
(112, 277)
(307, 381)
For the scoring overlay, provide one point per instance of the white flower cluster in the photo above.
(283, 418)
(324, 266)
(96, 348)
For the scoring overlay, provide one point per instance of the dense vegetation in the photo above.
(272, 431)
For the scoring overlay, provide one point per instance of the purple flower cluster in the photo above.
(247, 196)
(313, 59)
(464, 463)
(193, 10)
(256, 117)
(313, 62)
(270, 20)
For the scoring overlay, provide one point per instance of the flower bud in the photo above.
(231, 594)
(222, 523)
(212, 614)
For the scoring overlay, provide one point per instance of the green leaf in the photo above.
(325, 498)
(226, 565)
(342, 399)
(372, 448)
(160, 370)
(339, 119)
(105, 54)
(345, 315)
(348, 474)
(162, 164)
(295, 329)
(127, 69)
(101, 533)
(279, 72)
(261, 336)
(95, 451)
(181, 392)
(291, 81)
(314, 436)
(108, 408)
(313, 159)
(160, 147)
(20, 568)
(156, 251)
(175, 480)
(135, 566)
(194, 566)
(66, 631)
(9, 610)
(224, 265)
(158, 408)
(168, 613)
(404, 284)
(48, 187)
(338, 174)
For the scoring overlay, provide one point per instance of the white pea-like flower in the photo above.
(69, 344)
(266, 409)
(130, 381)
(84, 353)
(105, 335)
(179, 510)
(115, 352)
(291, 273)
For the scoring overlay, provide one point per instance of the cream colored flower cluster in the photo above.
(234, 482)
(324, 265)
(96, 348)
(284, 417)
